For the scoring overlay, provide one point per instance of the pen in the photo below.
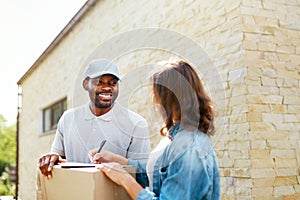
(101, 146)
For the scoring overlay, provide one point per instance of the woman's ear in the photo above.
(85, 84)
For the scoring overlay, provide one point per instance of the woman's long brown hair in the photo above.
(179, 88)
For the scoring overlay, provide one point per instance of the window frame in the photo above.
(52, 121)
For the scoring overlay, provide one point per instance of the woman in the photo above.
(184, 164)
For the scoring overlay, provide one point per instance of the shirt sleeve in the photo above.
(139, 148)
(141, 174)
(58, 142)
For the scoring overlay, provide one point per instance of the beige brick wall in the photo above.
(254, 47)
(271, 34)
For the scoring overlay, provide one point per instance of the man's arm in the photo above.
(48, 160)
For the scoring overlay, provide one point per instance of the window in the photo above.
(52, 114)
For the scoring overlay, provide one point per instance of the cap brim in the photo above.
(97, 75)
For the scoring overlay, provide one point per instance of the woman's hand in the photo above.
(116, 173)
(105, 157)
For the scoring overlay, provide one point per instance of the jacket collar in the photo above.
(174, 130)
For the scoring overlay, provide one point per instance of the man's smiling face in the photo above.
(103, 91)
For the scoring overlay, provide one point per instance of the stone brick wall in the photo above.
(271, 39)
(252, 45)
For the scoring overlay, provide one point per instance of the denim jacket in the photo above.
(187, 169)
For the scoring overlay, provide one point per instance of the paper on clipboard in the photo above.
(76, 165)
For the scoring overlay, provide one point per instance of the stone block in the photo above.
(286, 49)
(258, 126)
(282, 153)
(263, 173)
(250, 45)
(256, 99)
(237, 75)
(286, 91)
(288, 126)
(266, 46)
(266, 81)
(238, 90)
(292, 196)
(274, 99)
(259, 144)
(262, 163)
(293, 108)
(285, 181)
(254, 117)
(242, 128)
(239, 109)
(291, 118)
(274, 118)
(242, 163)
(258, 108)
(238, 100)
(238, 118)
(268, 135)
(240, 145)
(285, 171)
(278, 108)
(262, 192)
(259, 154)
(287, 74)
(283, 190)
(285, 163)
(240, 172)
(291, 83)
(283, 143)
(225, 162)
(263, 90)
(263, 182)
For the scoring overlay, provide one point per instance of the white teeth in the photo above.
(104, 95)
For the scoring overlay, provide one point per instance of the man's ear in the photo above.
(85, 83)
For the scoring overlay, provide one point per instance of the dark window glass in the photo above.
(52, 114)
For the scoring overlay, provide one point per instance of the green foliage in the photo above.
(6, 188)
(7, 155)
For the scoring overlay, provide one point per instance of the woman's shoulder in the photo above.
(187, 142)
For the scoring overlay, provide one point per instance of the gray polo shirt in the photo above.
(80, 131)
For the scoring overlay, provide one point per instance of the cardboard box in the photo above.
(80, 182)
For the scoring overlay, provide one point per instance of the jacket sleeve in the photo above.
(141, 174)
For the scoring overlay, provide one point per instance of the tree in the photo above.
(7, 155)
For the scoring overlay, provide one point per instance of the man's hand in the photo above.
(46, 163)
